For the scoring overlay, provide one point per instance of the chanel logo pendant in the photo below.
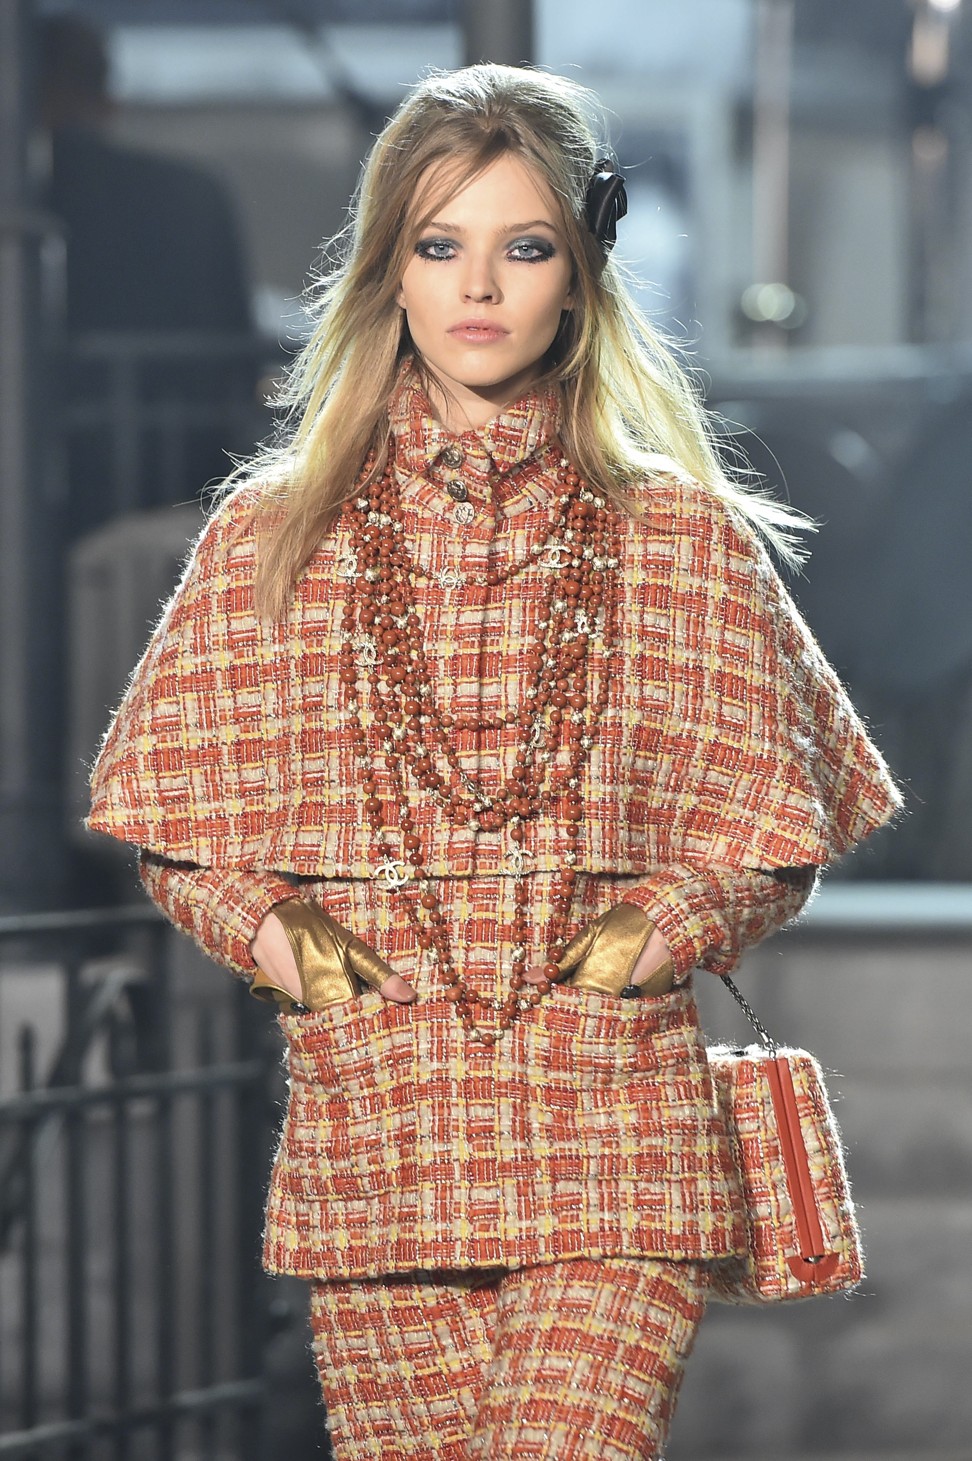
(515, 859)
(555, 555)
(393, 873)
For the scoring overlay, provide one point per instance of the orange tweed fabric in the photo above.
(727, 740)
(567, 1361)
(728, 749)
(591, 1129)
(761, 1275)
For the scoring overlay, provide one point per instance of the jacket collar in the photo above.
(430, 458)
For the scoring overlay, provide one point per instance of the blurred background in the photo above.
(800, 223)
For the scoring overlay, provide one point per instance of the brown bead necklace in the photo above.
(558, 711)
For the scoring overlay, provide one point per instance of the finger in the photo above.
(654, 972)
(396, 988)
(538, 975)
(368, 965)
(644, 969)
(651, 958)
(580, 946)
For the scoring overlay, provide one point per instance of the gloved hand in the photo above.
(332, 963)
(602, 956)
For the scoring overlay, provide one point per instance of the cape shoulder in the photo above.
(809, 780)
(163, 731)
(752, 753)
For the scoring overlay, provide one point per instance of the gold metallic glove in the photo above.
(602, 956)
(332, 963)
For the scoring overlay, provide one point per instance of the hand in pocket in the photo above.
(307, 960)
(619, 953)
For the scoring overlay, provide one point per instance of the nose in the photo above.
(479, 282)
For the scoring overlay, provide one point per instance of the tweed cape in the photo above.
(728, 748)
(728, 737)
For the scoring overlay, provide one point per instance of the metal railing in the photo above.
(133, 1144)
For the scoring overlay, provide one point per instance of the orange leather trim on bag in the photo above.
(812, 1263)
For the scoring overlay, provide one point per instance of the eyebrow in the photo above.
(505, 228)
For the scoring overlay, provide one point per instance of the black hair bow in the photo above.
(607, 201)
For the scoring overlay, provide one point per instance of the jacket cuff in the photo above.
(681, 910)
(708, 915)
(219, 909)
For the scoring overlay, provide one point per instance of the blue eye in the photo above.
(532, 250)
(435, 248)
(522, 251)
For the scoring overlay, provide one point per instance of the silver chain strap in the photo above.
(751, 1015)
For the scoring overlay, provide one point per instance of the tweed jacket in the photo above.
(728, 752)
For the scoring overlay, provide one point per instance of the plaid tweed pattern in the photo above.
(219, 910)
(592, 1128)
(728, 739)
(568, 1361)
(405, 1147)
(728, 749)
(762, 1275)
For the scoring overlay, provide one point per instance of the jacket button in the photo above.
(452, 456)
(458, 491)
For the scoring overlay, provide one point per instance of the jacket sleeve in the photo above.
(220, 909)
(709, 914)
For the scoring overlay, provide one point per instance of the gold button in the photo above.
(452, 456)
(458, 491)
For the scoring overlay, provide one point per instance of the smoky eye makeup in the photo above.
(526, 250)
(435, 247)
(532, 250)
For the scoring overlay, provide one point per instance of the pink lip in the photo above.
(478, 332)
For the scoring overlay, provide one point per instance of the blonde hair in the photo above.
(625, 400)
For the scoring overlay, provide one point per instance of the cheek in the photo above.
(558, 299)
(409, 294)
(558, 304)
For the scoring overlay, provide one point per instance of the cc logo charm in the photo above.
(515, 859)
(555, 555)
(394, 873)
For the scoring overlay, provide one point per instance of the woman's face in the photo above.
(484, 291)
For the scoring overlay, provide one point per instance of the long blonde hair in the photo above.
(625, 400)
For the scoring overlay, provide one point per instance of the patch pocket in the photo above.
(615, 1077)
(351, 1128)
(605, 1038)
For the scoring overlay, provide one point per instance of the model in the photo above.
(480, 720)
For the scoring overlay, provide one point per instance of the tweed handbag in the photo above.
(802, 1230)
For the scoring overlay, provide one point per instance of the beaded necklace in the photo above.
(581, 596)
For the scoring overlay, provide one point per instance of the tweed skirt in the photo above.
(591, 1129)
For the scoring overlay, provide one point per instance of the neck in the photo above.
(460, 408)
